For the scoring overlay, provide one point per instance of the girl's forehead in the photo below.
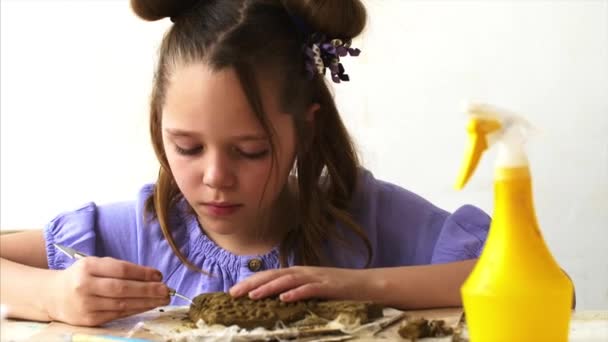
(198, 84)
(199, 98)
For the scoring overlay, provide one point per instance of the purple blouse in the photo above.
(403, 228)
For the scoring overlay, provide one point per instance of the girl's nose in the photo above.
(218, 173)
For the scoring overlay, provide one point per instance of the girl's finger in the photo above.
(114, 268)
(278, 285)
(127, 304)
(306, 291)
(129, 313)
(101, 317)
(95, 318)
(255, 281)
(119, 288)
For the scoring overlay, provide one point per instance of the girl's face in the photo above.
(218, 152)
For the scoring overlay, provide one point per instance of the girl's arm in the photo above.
(25, 290)
(90, 292)
(26, 248)
(418, 287)
(405, 287)
(24, 275)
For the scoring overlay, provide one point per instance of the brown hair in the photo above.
(252, 36)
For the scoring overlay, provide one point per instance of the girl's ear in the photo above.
(311, 112)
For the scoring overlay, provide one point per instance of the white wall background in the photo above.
(75, 79)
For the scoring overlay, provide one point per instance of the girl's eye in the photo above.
(198, 149)
(255, 155)
(188, 151)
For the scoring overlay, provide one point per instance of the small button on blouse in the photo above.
(254, 265)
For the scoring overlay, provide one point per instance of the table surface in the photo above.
(585, 326)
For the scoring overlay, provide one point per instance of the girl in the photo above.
(259, 191)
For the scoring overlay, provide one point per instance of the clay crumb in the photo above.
(420, 328)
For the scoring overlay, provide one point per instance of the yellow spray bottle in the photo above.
(517, 291)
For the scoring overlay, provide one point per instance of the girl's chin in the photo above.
(218, 226)
(219, 230)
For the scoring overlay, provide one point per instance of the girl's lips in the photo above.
(221, 209)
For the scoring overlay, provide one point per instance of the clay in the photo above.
(363, 311)
(421, 327)
(221, 308)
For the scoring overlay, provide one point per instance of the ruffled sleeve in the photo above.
(75, 229)
(109, 230)
(462, 235)
(404, 229)
(125, 231)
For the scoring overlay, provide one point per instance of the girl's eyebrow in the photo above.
(183, 133)
(179, 133)
(250, 137)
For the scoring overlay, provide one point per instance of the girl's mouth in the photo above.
(221, 209)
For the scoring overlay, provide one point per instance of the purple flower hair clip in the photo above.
(322, 53)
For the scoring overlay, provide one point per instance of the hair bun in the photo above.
(335, 18)
(152, 10)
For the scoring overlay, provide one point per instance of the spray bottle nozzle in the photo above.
(488, 124)
(478, 129)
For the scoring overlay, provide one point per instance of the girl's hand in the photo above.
(96, 290)
(302, 282)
